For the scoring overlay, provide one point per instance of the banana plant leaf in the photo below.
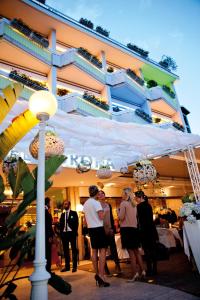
(9, 240)
(2, 189)
(20, 126)
(11, 93)
(50, 166)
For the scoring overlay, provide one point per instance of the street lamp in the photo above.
(43, 105)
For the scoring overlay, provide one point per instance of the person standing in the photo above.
(94, 216)
(69, 232)
(129, 232)
(109, 227)
(148, 232)
(48, 234)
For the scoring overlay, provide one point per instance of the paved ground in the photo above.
(84, 288)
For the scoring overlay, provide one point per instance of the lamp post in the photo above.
(42, 104)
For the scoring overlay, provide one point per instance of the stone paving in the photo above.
(84, 288)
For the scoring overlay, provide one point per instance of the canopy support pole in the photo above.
(193, 171)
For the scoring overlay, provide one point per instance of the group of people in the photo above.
(136, 229)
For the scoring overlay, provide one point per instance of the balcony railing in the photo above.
(74, 102)
(20, 40)
(157, 92)
(128, 116)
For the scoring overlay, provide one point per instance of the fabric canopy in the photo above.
(100, 138)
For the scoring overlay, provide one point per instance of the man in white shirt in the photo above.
(94, 217)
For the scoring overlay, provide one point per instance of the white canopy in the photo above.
(122, 143)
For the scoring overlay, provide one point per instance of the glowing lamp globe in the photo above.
(43, 102)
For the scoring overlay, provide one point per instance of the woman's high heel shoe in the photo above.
(100, 282)
(135, 277)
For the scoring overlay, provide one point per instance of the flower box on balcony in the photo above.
(27, 31)
(168, 91)
(138, 50)
(86, 23)
(132, 74)
(96, 101)
(24, 79)
(110, 70)
(143, 115)
(178, 126)
(62, 92)
(102, 31)
(93, 59)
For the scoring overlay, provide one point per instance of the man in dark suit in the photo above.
(69, 232)
(48, 233)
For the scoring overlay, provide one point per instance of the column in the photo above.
(103, 60)
(52, 76)
(106, 94)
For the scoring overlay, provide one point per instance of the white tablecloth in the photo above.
(122, 253)
(191, 239)
(176, 235)
(166, 237)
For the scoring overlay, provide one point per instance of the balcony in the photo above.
(158, 93)
(75, 103)
(13, 36)
(73, 57)
(125, 88)
(5, 81)
(128, 116)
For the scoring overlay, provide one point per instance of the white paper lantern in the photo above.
(53, 145)
(144, 172)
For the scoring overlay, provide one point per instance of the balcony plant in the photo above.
(102, 31)
(138, 50)
(190, 209)
(133, 75)
(62, 92)
(96, 101)
(110, 69)
(86, 23)
(168, 62)
(31, 34)
(92, 58)
(178, 126)
(26, 80)
(151, 83)
(143, 115)
(169, 91)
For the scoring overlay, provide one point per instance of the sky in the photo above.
(162, 27)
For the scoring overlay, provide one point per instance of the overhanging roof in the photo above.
(123, 143)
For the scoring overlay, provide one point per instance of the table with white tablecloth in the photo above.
(122, 253)
(166, 237)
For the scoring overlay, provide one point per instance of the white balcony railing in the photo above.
(157, 92)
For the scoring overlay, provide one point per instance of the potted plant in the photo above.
(102, 31)
(110, 69)
(86, 23)
(151, 83)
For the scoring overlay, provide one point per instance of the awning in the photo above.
(122, 143)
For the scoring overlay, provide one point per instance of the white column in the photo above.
(103, 60)
(40, 276)
(52, 76)
(106, 94)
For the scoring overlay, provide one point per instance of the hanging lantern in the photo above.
(53, 145)
(124, 170)
(104, 171)
(144, 172)
(84, 165)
